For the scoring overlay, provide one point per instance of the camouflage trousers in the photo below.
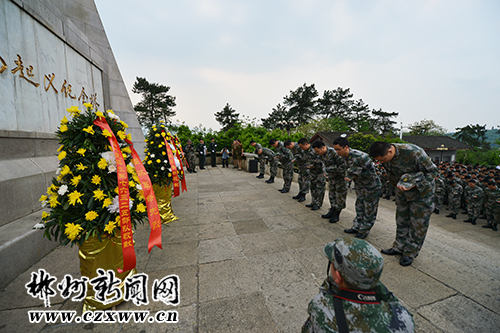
(191, 160)
(262, 165)
(304, 180)
(318, 183)
(474, 209)
(273, 165)
(438, 200)
(413, 213)
(366, 207)
(337, 191)
(287, 175)
(454, 203)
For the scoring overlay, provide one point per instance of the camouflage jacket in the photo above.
(284, 154)
(456, 190)
(298, 154)
(334, 164)
(268, 153)
(411, 159)
(388, 316)
(492, 197)
(189, 149)
(439, 185)
(313, 162)
(475, 194)
(361, 169)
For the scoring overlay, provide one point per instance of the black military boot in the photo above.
(489, 226)
(297, 196)
(468, 220)
(335, 218)
(494, 227)
(454, 216)
(473, 221)
(260, 176)
(302, 197)
(330, 213)
(436, 211)
(270, 180)
(449, 215)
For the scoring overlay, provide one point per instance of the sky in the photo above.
(427, 59)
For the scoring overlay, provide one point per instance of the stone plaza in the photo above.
(249, 259)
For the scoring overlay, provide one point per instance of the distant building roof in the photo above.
(432, 142)
(426, 142)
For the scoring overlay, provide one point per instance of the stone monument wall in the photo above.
(54, 54)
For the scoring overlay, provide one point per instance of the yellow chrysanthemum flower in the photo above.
(102, 164)
(158, 135)
(110, 111)
(74, 110)
(127, 150)
(130, 169)
(80, 167)
(43, 198)
(149, 162)
(163, 153)
(163, 134)
(158, 161)
(89, 130)
(87, 105)
(140, 196)
(90, 216)
(110, 227)
(65, 170)
(117, 190)
(60, 148)
(121, 135)
(61, 155)
(118, 220)
(45, 215)
(140, 208)
(64, 120)
(131, 183)
(53, 201)
(99, 114)
(99, 195)
(160, 145)
(151, 142)
(52, 189)
(63, 128)
(124, 124)
(74, 197)
(124, 155)
(106, 133)
(169, 174)
(72, 230)
(96, 179)
(136, 179)
(129, 137)
(76, 180)
(81, 151)
(107, 202)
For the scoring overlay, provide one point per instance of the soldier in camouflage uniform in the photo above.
(285, 157)
(438, 194)
(190, 157)
(317, 174)
(352, 298)
(412, 172)
(262, 159)
(492, 206)
(271, 157)
(454, 196)
(335, 168)
(304, 175)
(361, 170)
(475, 198)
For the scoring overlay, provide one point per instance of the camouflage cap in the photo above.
(357, 261)
(409, 180)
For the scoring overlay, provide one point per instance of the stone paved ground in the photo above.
(250, 259)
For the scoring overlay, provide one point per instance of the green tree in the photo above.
(473, 135)
(322, 125)
(426, 127)
(361, 141)
(336, 104)
(279, 113)
(360, 117)
(382, 122)
(301, 103)
(227, 117)
(156, 103)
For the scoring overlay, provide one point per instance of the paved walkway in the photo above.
(250, 259)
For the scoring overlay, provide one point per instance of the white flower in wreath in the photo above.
(115, 206)
(113, 116)
(62, 190)
(109, 156)
(138, 187)
(162, 168)
(152, 156)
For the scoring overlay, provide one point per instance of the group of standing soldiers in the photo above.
(473, 188)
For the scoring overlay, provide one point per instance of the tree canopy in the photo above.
(426, 127)
(227, 117)
(156, 103)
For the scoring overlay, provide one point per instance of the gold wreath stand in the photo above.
(164, 199)
(107, 255)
